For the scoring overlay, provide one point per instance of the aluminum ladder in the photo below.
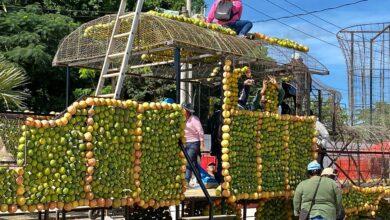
(117, 75)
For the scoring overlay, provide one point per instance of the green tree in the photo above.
(84, 10)
(12, 78)
(330, 111)
(380, 115)
(30, 39)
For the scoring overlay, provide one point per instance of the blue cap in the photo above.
(314, 165)
(169, 100)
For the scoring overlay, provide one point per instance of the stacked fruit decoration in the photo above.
(102, 30)
(274, 136)
(11, 189)
(162, 175)
(383, 209)
(195, 21)
(111, 143)
(239, 158)
(302, 133)
(282, 42)
(220, 208)
(55, 160)
(277, 209)
(230, 88)
(362, 200)
(97, 154)
(271, 95)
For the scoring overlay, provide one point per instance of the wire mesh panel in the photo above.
(156, 36)
(367, 54)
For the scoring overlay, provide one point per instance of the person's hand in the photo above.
(249, 82)
(202, 146)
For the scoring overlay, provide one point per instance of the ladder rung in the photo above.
(125, 16)
(111, 75)
(115, 55)
(111, 95)
(115, 70)
(122, 35)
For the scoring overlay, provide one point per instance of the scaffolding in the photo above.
(366, 49)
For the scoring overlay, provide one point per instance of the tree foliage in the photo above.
(12, 78)
(88, 9)
(330, 111)
(380, 115)
(31, 32)
(30, 39)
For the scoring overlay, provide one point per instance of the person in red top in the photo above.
(242, 27)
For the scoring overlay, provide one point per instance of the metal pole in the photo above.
(189, 7)
(351, 83)
(177, 73)
(199, 179)
(67, 86)
(334, 114)
(358, 165)
(199, 94)
(245, 210)
(319, 105)
(371, 74)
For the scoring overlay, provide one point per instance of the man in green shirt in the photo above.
(327, 202)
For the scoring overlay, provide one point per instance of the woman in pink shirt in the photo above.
(194, 138)
(242, 27)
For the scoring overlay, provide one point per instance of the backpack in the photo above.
(224, 11)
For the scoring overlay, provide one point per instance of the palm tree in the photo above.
(12, 78)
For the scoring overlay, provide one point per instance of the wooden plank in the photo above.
(197, 193)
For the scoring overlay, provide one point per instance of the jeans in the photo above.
(193, 150)
(242, 27)
(317, 218)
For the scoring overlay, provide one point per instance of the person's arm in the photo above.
(297, 199)
(339, 204)
(199, 129)
(237, 10)
(211, 15)
(244, 95)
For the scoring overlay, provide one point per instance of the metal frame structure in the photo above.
(178, 44)
(366, 48)
(356, 144)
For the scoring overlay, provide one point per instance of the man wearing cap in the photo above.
(194, 138)
(332, 174)
(319, 196)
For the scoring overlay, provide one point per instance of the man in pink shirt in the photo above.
(242, 27)
(194, 138)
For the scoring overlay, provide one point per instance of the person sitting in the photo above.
(228, 13)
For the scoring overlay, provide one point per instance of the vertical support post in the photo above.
(67, 87)
(351, 74)
(189, 7)
(177, 72)
(371, 78)
(334, 114)
(199, 99)
(102, 214)
(358, 165)
(320, 105)
(245, 210)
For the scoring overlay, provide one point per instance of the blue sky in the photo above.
(332, 57)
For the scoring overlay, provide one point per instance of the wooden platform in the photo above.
(198, 193)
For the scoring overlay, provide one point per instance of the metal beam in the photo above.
(67, 86)
(349, 152)
(177, 73)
